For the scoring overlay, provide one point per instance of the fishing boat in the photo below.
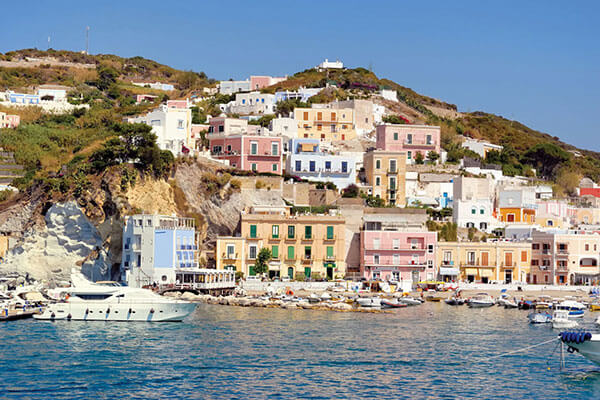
(481, 300)
(595, 307)
(575, 309)
(539, 318)
(392, 304)
(585, 343)
(369, 301)
(88, 301)
(410, 301)
(560, 320)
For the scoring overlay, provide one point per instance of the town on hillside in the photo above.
(349, 188)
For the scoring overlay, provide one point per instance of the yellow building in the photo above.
(517, 205)
(301, 245)
(325, 123)
(486, 261)
(386, 172)
(517, 215)
(229, 253)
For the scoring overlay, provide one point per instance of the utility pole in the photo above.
(87, 40)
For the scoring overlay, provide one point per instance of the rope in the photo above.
(519, 350)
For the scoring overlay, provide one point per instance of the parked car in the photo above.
(253, 278)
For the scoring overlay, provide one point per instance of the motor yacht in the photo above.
(88, 301)
(481, 300)
(575, 309)
(560, 320)
(585, 343)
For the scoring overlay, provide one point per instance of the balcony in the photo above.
(402, 247)
(290, 238)
(274, 238)
(253, 237)
(330, 239)
(290, 258)
(390, 263)
(308, 238)
(306, 258)
(562, 268)
(419, 143)
(392, 171)
(230, 256)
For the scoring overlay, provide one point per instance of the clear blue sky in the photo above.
(537, 62)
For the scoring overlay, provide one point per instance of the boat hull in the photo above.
(590, 348)
(477, 304)
(124, 312)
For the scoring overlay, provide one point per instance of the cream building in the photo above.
(325, 124)
(386, 173)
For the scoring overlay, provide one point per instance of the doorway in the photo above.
(508, 276)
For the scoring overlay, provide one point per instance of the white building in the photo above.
(285, 127)
(172, 125)
(53, 92)
(480, 147)
(252, 103)
(231, 87)
(330, 65)
(156, 248)
(389, 94)
(155, 85)
(473, 203)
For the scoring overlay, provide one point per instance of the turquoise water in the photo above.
(428, 352)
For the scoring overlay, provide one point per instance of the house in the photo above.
(9, 121)
(433, 188)
(142, 98)
(502, 261)
(252, 103)
(473, 205)
(385, 171)
(391, 252)
(560, 257)
(285, 127)
(326, 64)
(543, 192)
(156, 248)
(156, 85)
(307, 161)
(229, 253)
(477, 167)
(231, 87)
(552, 213)
(248, 152)
(302, 94)
(302, 246)
(327, 125)
(480, 147)
(389, 94)
(363, 113)
(259, 82)
(22, 98)
(53, 92)
(227, 126)
(172, 125)
(517, 205)
(411, 139)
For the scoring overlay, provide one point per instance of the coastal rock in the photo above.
(68, 240)
(189, 296)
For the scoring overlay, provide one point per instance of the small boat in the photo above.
(455, 301)
(586, 343)
(539, 318)
(410, 301)
(325, 296)
(392, 304)
(481, 300)
(369, 301)
(594, 307)
(560, 320)
(433, 297)
(313, 298)
(526, 305)
(575, 309)
(510, 304)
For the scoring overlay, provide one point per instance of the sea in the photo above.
(431, 351)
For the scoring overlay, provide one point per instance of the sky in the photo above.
(537, 62)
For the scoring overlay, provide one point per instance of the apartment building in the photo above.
(473, 205)
(327, 125)
(385, 172)
(502, 261)
(517, 205)
(248, 152)
(411, 139)
(253, 103)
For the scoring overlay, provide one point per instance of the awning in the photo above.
(449, 271)
(329, 265)
(485, 273)
(470, 271)
(307, 147)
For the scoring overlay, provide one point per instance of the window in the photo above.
(311, 166)
(471, 258)
(274, 149)
(230, 251)
(535, 263)
(473, 211)
(376, 259)
(221, 128)
(253, 148)
(377, 181)
(252, 252)
(253, 167)
(523, 256)
(329, 252)
(253, 231)
(319, 127)
(307, 272)
(396, 259)
(428, 139)
(378, 164)
(430, 248)
(587, 247)
(392, 183)
(447, 257)
(308, 232)
(275, 251)
(307, 252)
(217, 149)
(409, 138)
(275, 167)
(409, 155)
(180, 124)
(482, 211)
(229, 148)
(328, 165)
(344, 166)
(376, 243)
(306, 118)
(290, 252)
(319, 116)
(392, 165)
(333, 116)
(395, 135)
(275, 231)
(330, 232)
(396, 244)
(298, 165)
(535, 246)
(291, 232)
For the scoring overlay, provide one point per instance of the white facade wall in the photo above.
(388, 94)
(252, 103)
(480, 147)
(230, 87)
(332, 174)
(476, 213)
(172, 127)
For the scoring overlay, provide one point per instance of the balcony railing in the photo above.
(307, 238)
(230, 256)
(391, 263)
(402, 247)
(330, 238)
(418, 143)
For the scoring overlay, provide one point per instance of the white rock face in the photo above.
(66, 241)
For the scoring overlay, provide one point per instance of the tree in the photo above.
(262, 261)
(433, 156)
(107, 76)
(187, 80)
(546, 158)
(419, 158)
(351, 191)
(285, 107)
(394, 119)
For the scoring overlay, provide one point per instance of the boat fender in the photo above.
(588, 336)
(68, 317)
(152, 311)
(53, 315)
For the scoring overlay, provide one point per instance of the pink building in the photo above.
(181, 104)
(246, 152)
(391, 251)
(259, 82)
(145, 97)
(412, 139)
(9, 121)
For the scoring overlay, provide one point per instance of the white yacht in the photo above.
(481, 300)
(88, 301)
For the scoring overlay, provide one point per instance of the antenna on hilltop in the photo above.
(87, 40)
(48, 43)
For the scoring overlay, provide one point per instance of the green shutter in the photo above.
(308, 232)
(330, 232)
(252, 231)
(307, 272)
(290, 252)
(275, 251)
(291, 231)
(275, 231)
(329, 251)
(251, 271)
